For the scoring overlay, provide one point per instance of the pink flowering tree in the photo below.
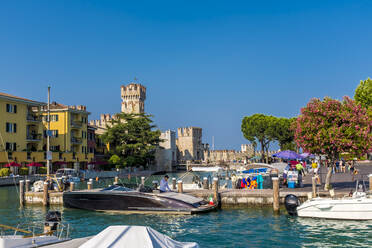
(332, 127)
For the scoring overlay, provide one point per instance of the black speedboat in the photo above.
(123, 199)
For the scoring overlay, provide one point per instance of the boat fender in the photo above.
(291, 203)
(211, 200)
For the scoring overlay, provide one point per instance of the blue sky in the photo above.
(204, 63)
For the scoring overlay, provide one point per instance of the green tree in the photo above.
(116, 161)
(332, 127)
(132, 138)
(363, 93)
(259, 127)
(284, 133)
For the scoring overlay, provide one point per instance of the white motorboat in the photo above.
(357, 207)
(54, 233)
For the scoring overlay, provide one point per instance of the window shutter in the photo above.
(56, 133)
(14, 127)
(7, 107)
(7, 127)
(14, 146)
(15, 109)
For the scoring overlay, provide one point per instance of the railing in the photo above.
(76, 124)
(75, 140)
(34, 137)
(33, 118)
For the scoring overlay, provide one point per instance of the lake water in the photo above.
(248, 227)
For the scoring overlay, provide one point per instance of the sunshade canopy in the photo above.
(34, 164)
(134, 237)
(287, 155)
(13, 164)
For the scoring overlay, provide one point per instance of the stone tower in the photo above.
(189, 143)
(133, 98)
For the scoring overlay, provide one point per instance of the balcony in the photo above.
(76, 141)
(33, 137)
(33, 118)
(76, 124)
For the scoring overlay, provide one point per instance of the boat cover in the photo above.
(181, 197)
(134, 237)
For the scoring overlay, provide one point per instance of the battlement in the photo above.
(105, 119)
(133, 98)
(133, 91)
(189, 132)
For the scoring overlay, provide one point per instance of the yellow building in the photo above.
(20, 128)
(23, 133)
(69, 132)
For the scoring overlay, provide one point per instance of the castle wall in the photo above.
(189, 144)
(166, 153)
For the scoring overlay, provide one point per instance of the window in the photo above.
(54, 133)
(11, 127)
(53, 118)
(11, 108)
(10, 146)
(83, 134)
(54, 148)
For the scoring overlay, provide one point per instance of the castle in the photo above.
(133, 98)
(186, 147)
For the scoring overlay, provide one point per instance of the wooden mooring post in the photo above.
(180, 186)
(21, 192)
(174, 183)
(90, 185)
(313, 184)
(72, 186)
(205, 183)
(370, 182)
(275, 194)
(45, 194)
(27, 185)
(116, 180)
(215, 190)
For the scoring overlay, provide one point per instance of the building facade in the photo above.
(23, 130)
(166, 153)
(189, 144)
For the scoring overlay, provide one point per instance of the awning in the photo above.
(12, 164)
(33, 164)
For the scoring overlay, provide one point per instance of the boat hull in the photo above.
(133, 202)
(342, 209)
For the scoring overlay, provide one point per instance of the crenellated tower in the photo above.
(133, 98)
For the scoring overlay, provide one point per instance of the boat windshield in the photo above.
(117, 188)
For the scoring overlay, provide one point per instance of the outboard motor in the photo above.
(291, 203)
(52, 219)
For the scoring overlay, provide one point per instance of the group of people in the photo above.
(250, 182)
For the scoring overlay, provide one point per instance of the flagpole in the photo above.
(48, 135)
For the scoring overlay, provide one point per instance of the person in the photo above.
(337, 166)
(342, 165)
(164, 187)
(300, 169)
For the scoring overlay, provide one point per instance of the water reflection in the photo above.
(240, 227)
